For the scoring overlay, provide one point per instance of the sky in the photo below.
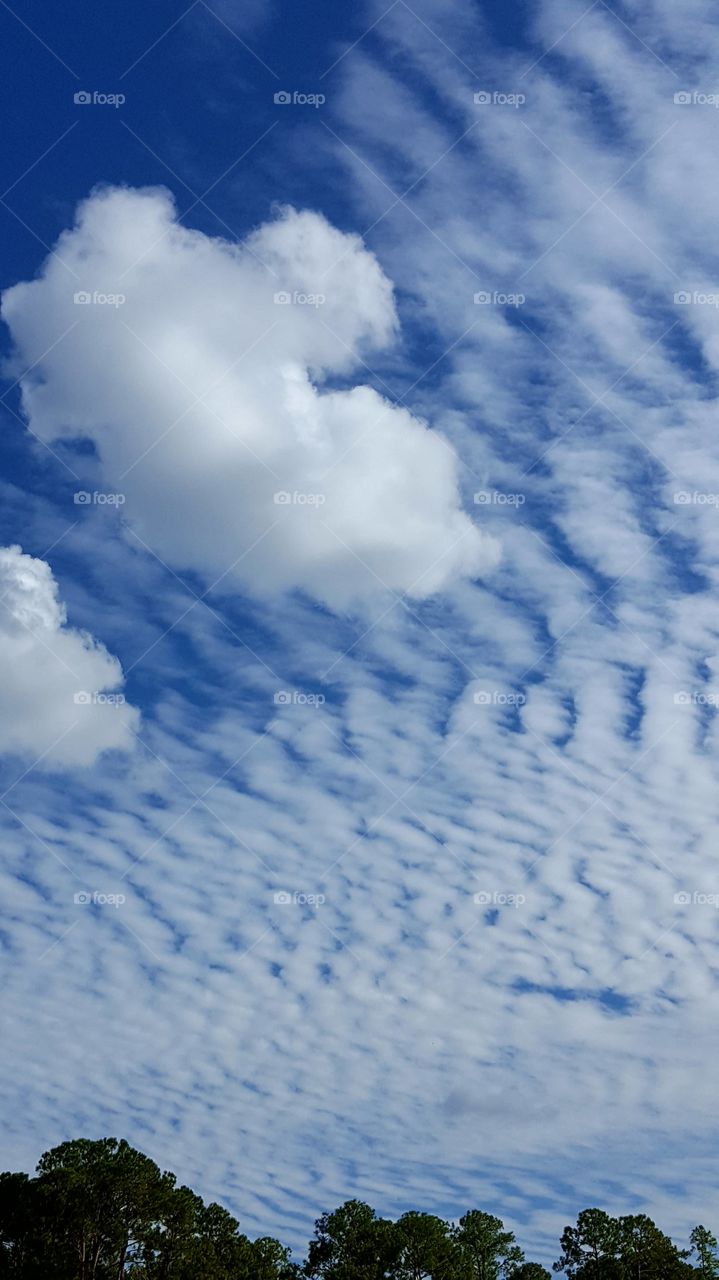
(359, 653)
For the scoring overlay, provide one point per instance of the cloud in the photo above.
(365, 1028)
(201, 370)
(59, 688)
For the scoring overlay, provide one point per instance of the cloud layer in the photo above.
(547, 739)
(200, 371)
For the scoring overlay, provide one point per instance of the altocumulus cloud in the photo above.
(197, 368)
(59, 694)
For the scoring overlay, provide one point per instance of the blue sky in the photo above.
(358, 578)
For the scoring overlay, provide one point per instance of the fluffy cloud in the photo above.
(201, 387)
(56, 684)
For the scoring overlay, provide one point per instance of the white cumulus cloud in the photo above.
(200, 370)
(59, 688)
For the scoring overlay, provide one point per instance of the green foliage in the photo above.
(487, 1251)
(646, 1253)
(591, 1249)
(351, 1244)
(100, 1199)
(704, 1245)
(627, 1248)
(103, 1211)
(425, 1250)
(100, 1210)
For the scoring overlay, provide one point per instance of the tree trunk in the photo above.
(96, 1259)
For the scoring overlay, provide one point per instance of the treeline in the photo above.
(103, 1211)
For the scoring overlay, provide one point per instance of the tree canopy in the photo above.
(100, 1210)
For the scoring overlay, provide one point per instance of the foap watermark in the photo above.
(696, 98)
(94, 898)
(98, 498)
(294, 98)
(495, 298)
(497, 98)
(498, 698)
(495, 498)
(694, 698)
(298, 698)
(295, 298)
(84, 298)
(85, 698)
(696, 899)
(687, 498)
(297, 899)
(498, 898)
(298, 498)
(95, 98)
(695, 298)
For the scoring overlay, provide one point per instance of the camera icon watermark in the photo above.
(498, 698)
(297, 899)
(83, 498)
(296, 298)
(87, 98)
(685, 498)
(696, 899)
(483, 98)
(497, 898)
(83, 298)
(296, 498)
(495, 498)
(297, 698)
(95, 898)
(695, 297)
(695, 98)
(495, 298)
(293, 98)
(695, 699)
(84, 698)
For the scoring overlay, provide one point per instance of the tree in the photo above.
(105, 1197)
(646, 1253)
(267, 1259)
(425, 1248)
(100, 1210)
(705, 1246)
(486, 1250)
(172, 1241)
(590, 1251)
(18, 1226)
(222, 1241)
(351, 1244)
(104, 1211)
